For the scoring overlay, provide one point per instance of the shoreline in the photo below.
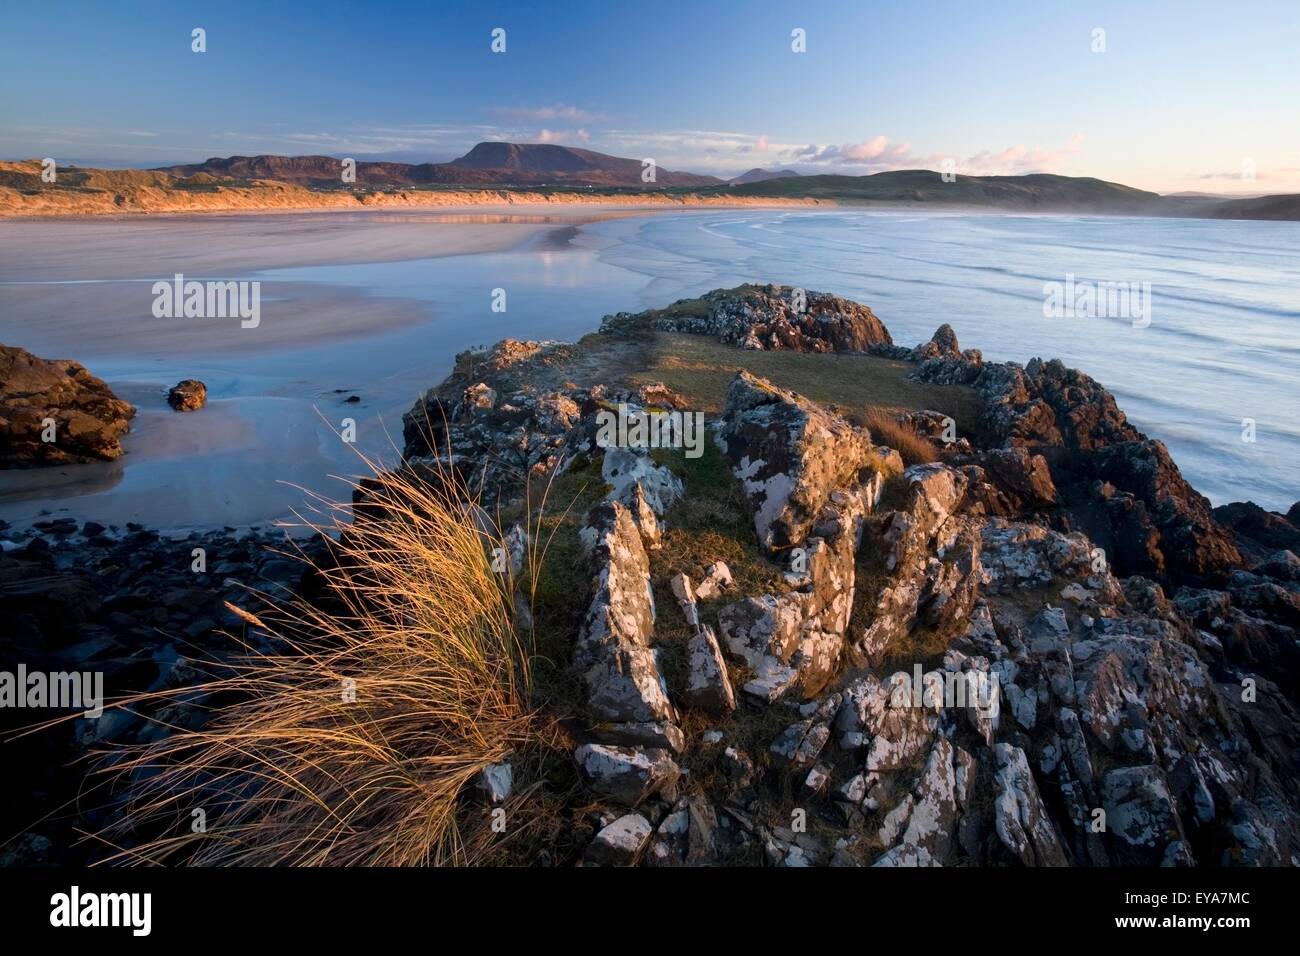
(282, 199)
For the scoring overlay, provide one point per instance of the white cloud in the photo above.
(879, 154)
(547, 114)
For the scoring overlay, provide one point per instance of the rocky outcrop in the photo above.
(810, 481)
(1040, 650)
(909, 541)
(1109, 478)
(55, 412)
(765, 318)
(1259, 533)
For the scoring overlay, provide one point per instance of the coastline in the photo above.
(274, 197)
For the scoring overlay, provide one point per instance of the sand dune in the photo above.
(98, 192)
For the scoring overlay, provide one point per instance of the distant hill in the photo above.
(760, 175)
(1260, 207)
(1041, 191)
(492, 173)
(487, 164)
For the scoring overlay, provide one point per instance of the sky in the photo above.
(1168, 96)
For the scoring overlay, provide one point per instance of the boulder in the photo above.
(187, 395)
(1140, 814)
(707, 686)
(626, 775)
(1020, 817)
(61, 400)
(789, 454)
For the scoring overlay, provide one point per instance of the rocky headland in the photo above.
(902, 606)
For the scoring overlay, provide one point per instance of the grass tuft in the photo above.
(356, 741)
(916, 449)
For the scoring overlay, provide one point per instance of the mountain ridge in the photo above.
(495, 173)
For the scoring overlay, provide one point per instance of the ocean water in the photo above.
(1221, 348)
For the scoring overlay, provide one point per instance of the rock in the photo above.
(717, 581)
(1024, 477)
(931, 814)
(798, 746)
(88, 420)
(613, 646)
(1193, 547)
(188, 395)
(795, 640)
(789, 455)
(480, 395)
(625, 470)
(491, 425)
(707, 686)
(1257, 532)
(620, 843)
(702, 831)
(653, 734)
(626, 775)
(942, 345)
(908, 538)
(765, 318)
(495, 782)
(1140, 815)
(685, 594)
(669, 845)
(1020, 818)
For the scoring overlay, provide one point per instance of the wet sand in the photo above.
(82, 289)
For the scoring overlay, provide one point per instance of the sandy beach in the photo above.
(278, 393)
(84, 285)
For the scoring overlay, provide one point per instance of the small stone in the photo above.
(495, 781)
(620, 843)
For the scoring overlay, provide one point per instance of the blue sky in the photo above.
(1185, 95)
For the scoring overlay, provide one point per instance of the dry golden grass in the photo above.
(292, 769)
(887, 430)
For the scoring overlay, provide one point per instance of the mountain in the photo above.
(487, 164)
(760, 175)
(537, 162)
